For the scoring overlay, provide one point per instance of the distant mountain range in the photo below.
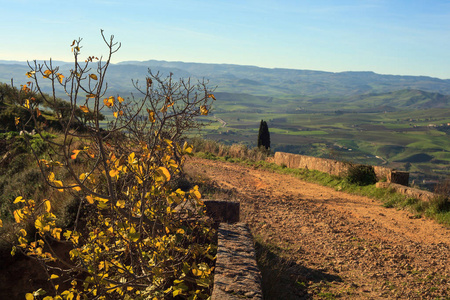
(278, 83)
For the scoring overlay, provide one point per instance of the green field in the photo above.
(371, 129)
(415, 140)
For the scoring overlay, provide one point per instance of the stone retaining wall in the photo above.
(329, 166)
(236, 274)
(409, 191)
(296, 161)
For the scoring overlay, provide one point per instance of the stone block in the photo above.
(222, 211)
(399, 177)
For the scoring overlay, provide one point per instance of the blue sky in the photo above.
(385, 36)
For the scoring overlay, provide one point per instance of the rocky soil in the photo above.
(317, 243)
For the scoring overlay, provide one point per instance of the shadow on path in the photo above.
(286, 279)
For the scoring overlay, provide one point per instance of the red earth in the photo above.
(331, 244)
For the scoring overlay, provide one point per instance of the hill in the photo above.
(255, 80)
(359, 116)
(408, 99)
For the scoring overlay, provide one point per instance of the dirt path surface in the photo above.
(331, 244)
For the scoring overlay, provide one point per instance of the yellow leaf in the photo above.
(197, 195)
(151, 115)
(30, 74)
(197, 272)
(56, 233)
(76, 188)
(120, 99)
(131, 159)
(58, 183)
(16, 120)
(164, 173)
(90, 199)
(54, 276)
(113, 173)
(38, 112)
(187, 148)
(27, 103)
(203, 110)
(118, 113)
(93, 76)
(164, 109)
(109, 101)
(51, 176)
(1, 223)
(60, 77)
(47, 73)
(133, 235)
(19, 199)
(29, 296)
(75, 154)
(211, 96)
(18, 215)
(23, 232)
(120, 203)
(84, 109)
(47, 206)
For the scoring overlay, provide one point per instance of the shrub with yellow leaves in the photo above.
(134, 236)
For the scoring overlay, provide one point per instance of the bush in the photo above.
(361, 175)
(134, 234)
(441, 203)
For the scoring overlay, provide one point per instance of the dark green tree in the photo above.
(263, 135)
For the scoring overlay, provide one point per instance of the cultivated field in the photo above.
(414, 140)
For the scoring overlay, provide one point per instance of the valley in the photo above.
(414, 140)
(401, 122)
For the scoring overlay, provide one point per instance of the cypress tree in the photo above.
(263, 135)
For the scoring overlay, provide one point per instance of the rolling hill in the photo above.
(358, 116)
(255, 80)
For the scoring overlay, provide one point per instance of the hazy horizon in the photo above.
(274, 68)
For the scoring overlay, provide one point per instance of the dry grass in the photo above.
(238, 151)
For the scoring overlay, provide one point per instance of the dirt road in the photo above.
(330, 244)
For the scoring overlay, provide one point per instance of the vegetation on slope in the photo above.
(134, 234)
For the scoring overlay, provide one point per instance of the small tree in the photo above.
(139, 239)
(263, 135)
